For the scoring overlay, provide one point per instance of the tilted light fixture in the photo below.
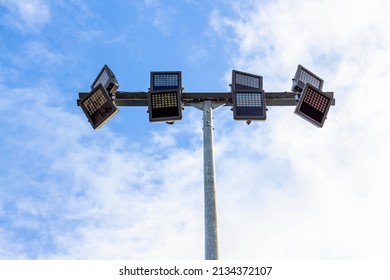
(248, 97)
(106, 78)
(99, 107)
(304, 76)
(313, 105)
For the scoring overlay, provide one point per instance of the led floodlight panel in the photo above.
(246, 81)
(249, 105)
(313, 105)
(165, 80)
(248, 97)
(98, 107)
(164, 105)
(106, 78)
(303, 77)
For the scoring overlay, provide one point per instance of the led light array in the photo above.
(302, 77)
(316, 100)
(249, 106)
(252, 99)
(306, 77)
(98, 107)
(166, 80)
(107, 79)
(164, 100)
(102, 79)
(246, 80)
(95, 102)
(164, 105)
(313, 105)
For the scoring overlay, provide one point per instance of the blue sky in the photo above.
(134, 190)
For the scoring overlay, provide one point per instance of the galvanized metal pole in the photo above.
(210, 202)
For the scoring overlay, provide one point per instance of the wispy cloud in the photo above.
(37, 53)
(26, 16)
(163, 16)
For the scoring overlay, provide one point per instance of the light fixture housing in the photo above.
(98, 106)
(106, 78)
(248, 96)
(164, 97)
(164, 80)
(313, 105)
(164, 105)
(304, 76)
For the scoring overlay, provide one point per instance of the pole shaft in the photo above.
(210, 204)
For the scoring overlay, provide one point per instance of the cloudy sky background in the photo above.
(134, 190)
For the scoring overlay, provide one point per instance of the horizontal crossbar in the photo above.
(124, 98)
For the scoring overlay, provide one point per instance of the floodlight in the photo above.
(165, 80)
(302, 77)
(98, 106)
(248, 97)
(246, 81)
(249, 105)
(313, 105)
(106, 78)
(164, 105)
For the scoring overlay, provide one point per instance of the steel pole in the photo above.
(210, 203)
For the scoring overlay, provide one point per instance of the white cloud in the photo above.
(196, 54)
(278, 34)
(91, 35)
(26, 16)
(37, 53)
(162, 16)
(79, 193)
(320, 192)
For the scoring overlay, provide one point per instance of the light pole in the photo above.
(210, 196)
(210, 193)
(248, 99)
